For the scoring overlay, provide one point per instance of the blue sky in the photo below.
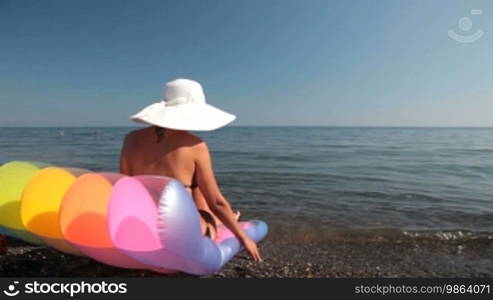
(270, 62)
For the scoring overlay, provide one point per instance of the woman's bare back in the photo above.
(169, 153)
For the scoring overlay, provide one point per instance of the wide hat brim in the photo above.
(189, 116)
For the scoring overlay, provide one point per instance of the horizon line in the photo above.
(308, 126)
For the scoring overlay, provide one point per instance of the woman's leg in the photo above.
(207, 224)
(201, 203)
(203, 226)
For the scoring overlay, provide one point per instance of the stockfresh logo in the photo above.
(465, 25)
(12, 290)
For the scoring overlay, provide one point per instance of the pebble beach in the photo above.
(344, 257)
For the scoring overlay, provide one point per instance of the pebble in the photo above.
(409, 258)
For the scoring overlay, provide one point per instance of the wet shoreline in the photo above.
(405, 256)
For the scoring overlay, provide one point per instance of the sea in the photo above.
(311, 183)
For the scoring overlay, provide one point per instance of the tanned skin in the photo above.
(183, 156)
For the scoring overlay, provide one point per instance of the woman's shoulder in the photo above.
(134, 134)
(183, 138)
(192, 140)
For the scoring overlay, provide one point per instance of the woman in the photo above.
(167, 148)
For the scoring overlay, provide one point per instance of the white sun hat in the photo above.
(183, 107)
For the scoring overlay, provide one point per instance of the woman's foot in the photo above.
(237, 215)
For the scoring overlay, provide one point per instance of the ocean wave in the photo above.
(448, 235)
(346, 235)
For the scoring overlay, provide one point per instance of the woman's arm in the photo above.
(216, 201)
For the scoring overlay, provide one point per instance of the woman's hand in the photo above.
(252, 248)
